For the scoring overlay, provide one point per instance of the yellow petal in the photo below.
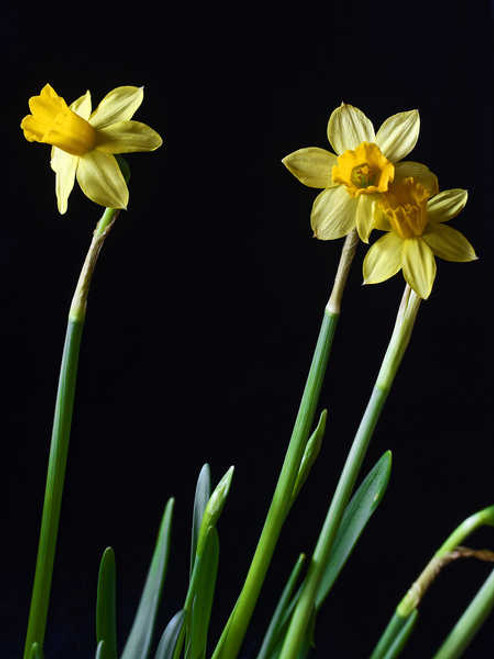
(364, 216)
(82, 106)
(419, 266)
(449, 244)
(312, 166)
(348, 127)
(421, 173)
(398, 135)
(64, 165)
(118, 105)
(446, 205)
(127, 137)
(101, 180)
(383, 260)
(333, 213)
(381, 220)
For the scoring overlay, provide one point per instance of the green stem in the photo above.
(443, 556)
(236, 627)
(399, 340)
(470, 622)
(60, 442)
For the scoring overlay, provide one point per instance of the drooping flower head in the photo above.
(361, 169)
(416, 233)
(83, 142)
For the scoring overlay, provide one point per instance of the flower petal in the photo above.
(312, 166)
(419, 172)
(82, 106)
(101, 180)
(348, 127)
(419, 266)
(383, 260)
(399, 134)
(364, 216)
(64, 165)
(127, 137)
(446, 205)
(118, 105)
(333, 213)
(381, 220)
(449, 244)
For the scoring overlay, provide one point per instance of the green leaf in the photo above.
(214, 508)
(354, 520)
(169, 638)
(140, 637)
(198, 602)
(391, 633)
(272, 636)
(356, 515)
(106, 618)
(307, 643)
(36, 651)
(203, 492)
(402, 636)
(311, 452)
(469, 622)
(203, 597)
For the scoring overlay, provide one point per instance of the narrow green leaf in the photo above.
(140, 637)
(100, 650)
(106, 618)
(273, 633)
(214, 507)
(306, 646)
(203, 598)
(355, 518)
(36, 651)
(310, 454)
(469, 623)
(356, 515)
(169, 638)
(203, 492)
(402, 636)
(391, 633)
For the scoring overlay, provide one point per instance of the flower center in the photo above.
(363, 176)
(405, 207)
(364, 170)
(53, 122)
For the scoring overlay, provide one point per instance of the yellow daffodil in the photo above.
(83, 141)
(361, 169)
(416, 234)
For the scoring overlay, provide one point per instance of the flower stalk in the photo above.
(396, 349)
(236, 627)
(57, 462)
(450, 550)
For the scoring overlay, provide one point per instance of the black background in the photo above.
(207, 300)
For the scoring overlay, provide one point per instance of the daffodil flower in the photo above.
(416, 233)
(83, 142)
(361, 169)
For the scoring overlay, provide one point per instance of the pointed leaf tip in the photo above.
(202, 495)
(140, 637)
(170, 637)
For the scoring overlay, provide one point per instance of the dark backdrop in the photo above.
(207, 300)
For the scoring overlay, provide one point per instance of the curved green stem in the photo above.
(57, 462)
(444, 555)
